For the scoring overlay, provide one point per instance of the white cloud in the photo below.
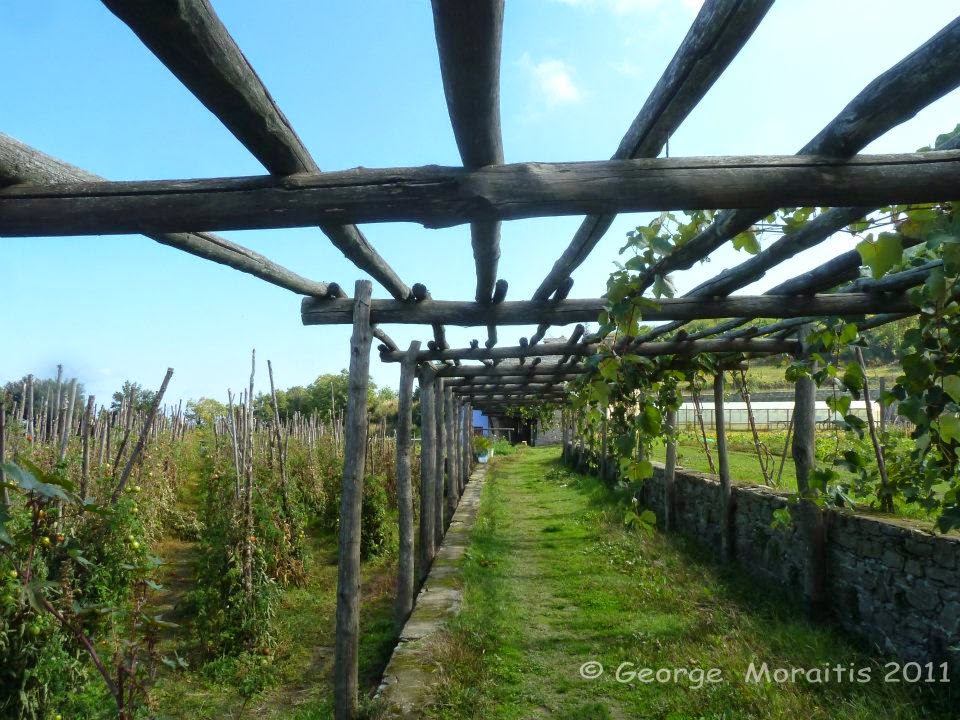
(553, 79)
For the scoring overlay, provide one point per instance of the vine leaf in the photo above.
(747, 241)
(949, 426)
(951, 386)
(882, 254)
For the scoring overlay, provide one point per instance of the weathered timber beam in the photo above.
(21, 163)
(894, 282)
(439, 196)
(189, 38)
(461, 387)
(560, 376)
(543, 369)
(720, 30)
(516, 398)
(469, 36)
(922, 77)
(338, 311)
(682, 347)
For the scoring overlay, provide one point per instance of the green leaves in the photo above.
(26, 481)
(853, 378)
(949, 427)
(951, 386)
(881, 255)
(747, 241)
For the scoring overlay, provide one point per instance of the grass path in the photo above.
(553, 579)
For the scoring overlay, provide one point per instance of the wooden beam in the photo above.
(543, 369)
(647, 349)
(469, 36)
(827, 274)
(440, 197)
(21, 163)
(348, 555)
(559, 376)
(405, 559)
(337, 311)
(189, 38)
(894, 97)
(720, 30)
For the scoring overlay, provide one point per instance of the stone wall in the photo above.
(894, 585)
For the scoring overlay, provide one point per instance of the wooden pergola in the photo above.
(42, 196)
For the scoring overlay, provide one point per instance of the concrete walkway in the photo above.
(409, 676)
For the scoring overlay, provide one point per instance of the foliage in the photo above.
(482, 444)
(61, 595)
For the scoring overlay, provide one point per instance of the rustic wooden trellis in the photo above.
(41, 195)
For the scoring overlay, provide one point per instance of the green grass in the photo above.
(553, 579)
(769, 376)
(745, 468)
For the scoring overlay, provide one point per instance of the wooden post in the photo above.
(450, 442)
(670, 473)
(726, 491)
(428, 468)
(883, 408)
(85, 433)
(467, 444)
(603, 447)
(565, 436)
(439, 526)
(4, 494)
(804, 430)
(405, 576)
(348, 555)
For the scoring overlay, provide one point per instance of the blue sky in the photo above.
(361, 84)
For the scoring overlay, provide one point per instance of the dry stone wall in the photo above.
(896, 586)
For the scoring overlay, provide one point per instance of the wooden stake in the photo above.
(886, 498)
(348, 555)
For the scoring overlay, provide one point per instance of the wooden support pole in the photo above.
(438, 508)
(670, 473)
(467, 443)
(405, 565)
(804, 431)
(727, 542)
(450, 312)
(428, 468)
(443, 197)
(348, 553)
(450, 442)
